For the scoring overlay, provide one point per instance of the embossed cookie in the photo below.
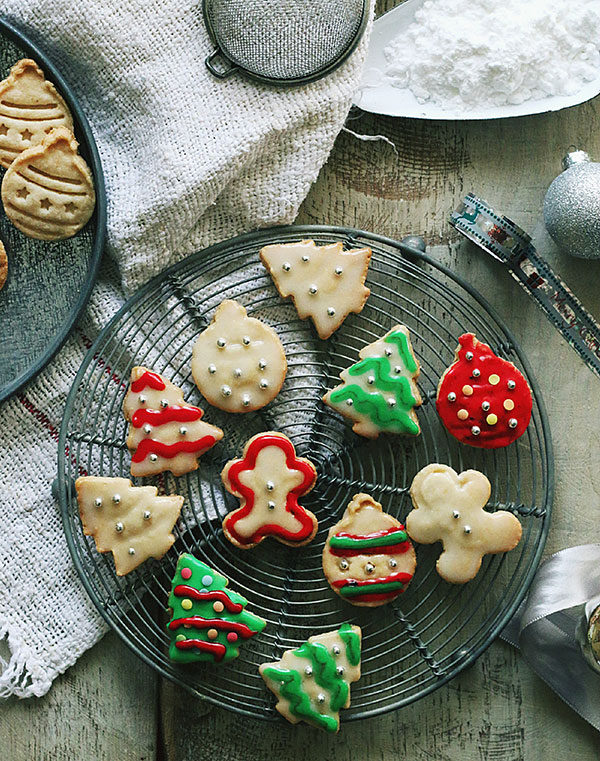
(368, 559)
(482, 399)
(30, 107)
(312, 682)
(326, 283)
(268, 481)
(449, 508)
(3, 265)
(48, 191)
(165, 433)
(130, 521)
(238, 362)
(379, 393)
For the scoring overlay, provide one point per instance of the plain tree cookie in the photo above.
(449, 508)
(325, 283)
(368, 559)
(30, 107)
(482, 399)
(48, 190)
(238, 362)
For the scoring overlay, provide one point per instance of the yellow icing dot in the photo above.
(468, 390)
(509, 404)
(212, 633)
(218, 607)
(186, 604)
(494, 379)
(491, 419)
(462, 414)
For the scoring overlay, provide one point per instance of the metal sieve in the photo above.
(290, 42)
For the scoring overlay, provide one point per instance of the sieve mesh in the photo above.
(410, 646)
(289, 41)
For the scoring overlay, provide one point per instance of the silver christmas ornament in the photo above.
(572, 207)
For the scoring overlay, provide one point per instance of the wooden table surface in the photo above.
(111, 706)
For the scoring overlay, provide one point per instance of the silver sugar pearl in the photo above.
(388, 352)
(119, 528)
(452, 396)
(455, 515)
(512, 423)
(182, 430)
(349, 402)
(237, 372)
(116, 498)
(98, 501)
(305, 258)
(221, 342)
(320, 698)
(393, 563)
(246, 340)
(485, 406)
(147, 515)
(469, 356)
(476, 373)
(338, 271)
(467, 529)
(475, 430)
(262, 363)
(245, 400)
(331, 311)
(308, 670)
(271, 505)
(312, 290)
(164, 403)
(286, 266)
(264, 383)
(371, 380)
(225, 391)
(391, 402)
(131, 551)
(270, 485)
(340, 671)
(511, 385)
(142, 399)
(212, 369)
(344, 565)
(153, 457)
(397, 369)
(369, 567)
(147, 428)
(336, 650)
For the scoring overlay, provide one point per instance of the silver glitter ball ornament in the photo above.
(572, 207)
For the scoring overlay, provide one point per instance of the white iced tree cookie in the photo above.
(130, 521)
(449, 508)
(165, 433)
(238, 362)
(326, 283)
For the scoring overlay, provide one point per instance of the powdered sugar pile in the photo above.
(477, 53)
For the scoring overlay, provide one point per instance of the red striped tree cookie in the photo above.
(165, 433)
(368, 558)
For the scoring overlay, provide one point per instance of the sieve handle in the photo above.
(219, 65)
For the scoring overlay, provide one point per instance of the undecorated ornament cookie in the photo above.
(483, 400)
(130, 521)
(368, 559)
(268, 481)
(30, 107)
(449, 508)
(165, 433)
(48, 190)
(312, 683)
(326, 283)
(238, 362)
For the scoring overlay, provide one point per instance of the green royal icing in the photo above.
(352, 641)
(299, 702)
(385, 586)
(347, 543)
(400, 340)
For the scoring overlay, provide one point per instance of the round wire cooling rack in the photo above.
(410, 646)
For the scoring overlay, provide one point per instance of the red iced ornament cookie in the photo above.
(483, 400)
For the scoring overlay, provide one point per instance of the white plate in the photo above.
(383, 98)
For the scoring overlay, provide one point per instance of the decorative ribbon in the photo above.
(545, 627)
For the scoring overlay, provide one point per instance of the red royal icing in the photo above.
(460, 375)
(151, 446)
(198, 622)
(183, 590)
(374, 535)
(216, 649)
(148, 379)
(248, 462)
(172, 414)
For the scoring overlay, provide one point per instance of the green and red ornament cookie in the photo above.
(268, 480)
(482, 399)
(312, 683)
(208, 621)
(379, 393)
(368, 558)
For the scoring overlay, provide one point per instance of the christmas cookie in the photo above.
(29, 108)
(165, 433)
(130, 521)
(449, 508)
(379, 393)
(268, 481)
(483, 400)
(368, 559)
(208, 621)
(3, 265)
(238, 362)
(48, 190)
(326, 283)
(312, 683)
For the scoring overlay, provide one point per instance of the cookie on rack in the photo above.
(165, 433)
(326, 283)
(450, 508)
(268, 480)
(3, 265)
(482, 399)
(312, 682)
(30, 107)
(132, 522)
(238, 362)
(208, 621)
(48, 190)
(368, 559)
(379, 393)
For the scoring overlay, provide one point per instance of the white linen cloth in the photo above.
(188, 160)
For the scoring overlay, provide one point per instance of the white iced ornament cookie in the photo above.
(238, 362)
(326, 283)
(449, 508)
